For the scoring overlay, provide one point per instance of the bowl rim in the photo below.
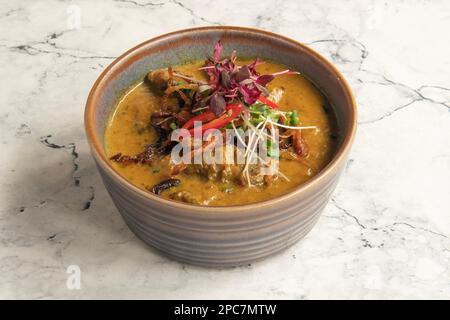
(99, 154)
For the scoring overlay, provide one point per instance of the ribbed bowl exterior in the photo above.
(220, 241)
(219, 236)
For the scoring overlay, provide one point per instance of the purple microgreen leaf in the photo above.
(242, 74)
(217, 104)
(250, 95)
(252, 65)
(264, 79)
(217, 51)
(225, 79)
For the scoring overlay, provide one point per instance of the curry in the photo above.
(225, 94)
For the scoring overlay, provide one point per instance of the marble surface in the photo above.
(386, 232)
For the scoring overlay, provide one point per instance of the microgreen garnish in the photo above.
(229, 82)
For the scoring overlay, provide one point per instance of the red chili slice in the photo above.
(204, 117)
(267, 102)
(223, 120)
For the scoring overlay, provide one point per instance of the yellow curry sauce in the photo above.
(128, 132)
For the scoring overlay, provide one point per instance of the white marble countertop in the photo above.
(385, 234)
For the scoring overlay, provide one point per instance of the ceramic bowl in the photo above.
(219, 236)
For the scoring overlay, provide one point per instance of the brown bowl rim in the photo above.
(340, 155)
